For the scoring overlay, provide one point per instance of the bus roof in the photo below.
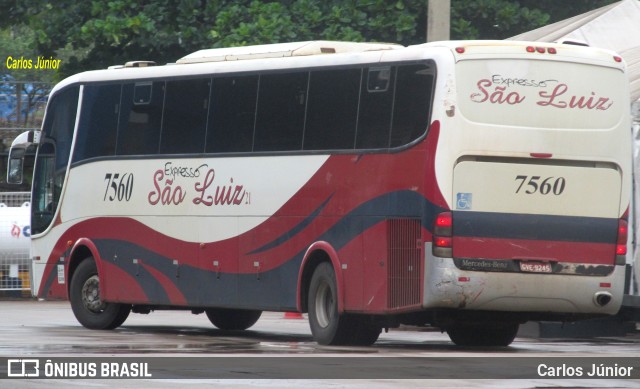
(322, 53)
(236, 60)
(277, 50)
(487, 49)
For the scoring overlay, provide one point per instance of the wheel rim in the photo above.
(325, 305)
(91, 295)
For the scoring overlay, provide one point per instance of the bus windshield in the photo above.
(46, 192)
(52, 158)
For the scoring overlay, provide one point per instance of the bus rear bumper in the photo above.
(446, 286)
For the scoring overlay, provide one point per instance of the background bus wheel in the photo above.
(365, 333)
(84, 295)
(327, 326)
(232, 319)
(483, 335)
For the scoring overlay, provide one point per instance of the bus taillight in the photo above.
(623, 229)
(442, 235)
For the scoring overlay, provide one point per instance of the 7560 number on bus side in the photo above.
(542, 185)
(118, 186)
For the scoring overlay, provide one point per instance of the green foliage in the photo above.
(493, 19)
(564, 9)
(259, 22)
(97, 33)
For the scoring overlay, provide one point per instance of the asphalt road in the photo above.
(167, 349)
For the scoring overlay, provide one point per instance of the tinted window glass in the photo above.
(47, 186)
(60, 122)
(378, 79)
(232, 114)
(281, 107)
(53, 157)
(185, 116)
(412, 103)
(332, 109)
(140, 121)
(98, 122)
(142, 93)
(376, 103)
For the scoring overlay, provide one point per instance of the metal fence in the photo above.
(15, 241)
(22, 103)
(15, 199)
(22, 106)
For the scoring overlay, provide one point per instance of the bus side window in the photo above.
(139, 124)
(142, 93)
(412, 106)
(378, 79)
(332, 110)
(280, 116)
(98, 122)
(232, 114)
(185, 116)
(376, 103)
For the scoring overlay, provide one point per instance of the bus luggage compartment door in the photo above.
(536, 214)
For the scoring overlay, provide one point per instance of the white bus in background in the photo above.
(15, 230)
(468, 185)
(15, 242)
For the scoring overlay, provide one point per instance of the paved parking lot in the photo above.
(180, 345)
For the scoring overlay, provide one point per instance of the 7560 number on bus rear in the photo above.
(542, 185)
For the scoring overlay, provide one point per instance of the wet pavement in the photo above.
(32, 329)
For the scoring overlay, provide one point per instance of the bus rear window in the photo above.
(540, 94)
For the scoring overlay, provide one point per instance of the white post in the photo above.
(438, 20)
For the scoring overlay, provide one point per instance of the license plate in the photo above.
(535, 267)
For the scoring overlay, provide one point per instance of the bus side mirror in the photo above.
(15, 166)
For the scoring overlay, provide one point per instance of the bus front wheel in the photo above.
(483, 335)
(89, 309)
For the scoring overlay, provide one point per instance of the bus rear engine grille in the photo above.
(404, 268)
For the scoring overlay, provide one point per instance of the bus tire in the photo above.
(327, 326)
(483, 335)
(84, 295)
(232, 319)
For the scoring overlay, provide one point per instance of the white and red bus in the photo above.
(467, 185)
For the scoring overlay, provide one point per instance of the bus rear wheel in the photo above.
(232, 319)
(327, 325)
(88, 308)
(483, 335)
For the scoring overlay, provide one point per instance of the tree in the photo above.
(493, 19)
(500, 19)
(24, 89)
(255, 22)
(97, 33)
